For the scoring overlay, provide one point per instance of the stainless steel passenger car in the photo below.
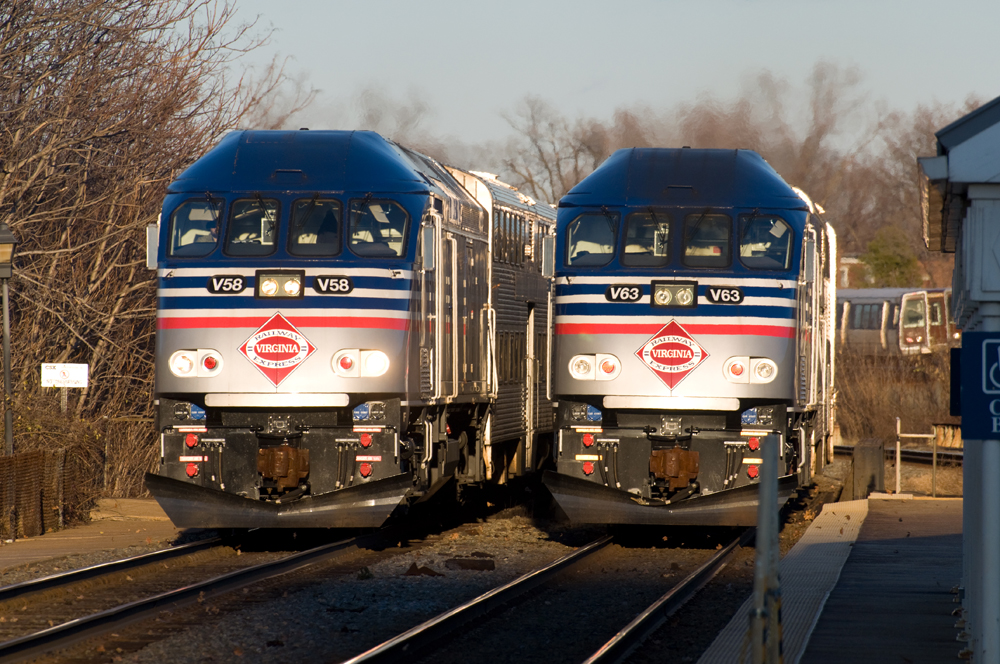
(896, 321)
(694, 313)
(344, 325)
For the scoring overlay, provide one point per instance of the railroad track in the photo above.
(76, 630)
(419, 640)
(915, 456)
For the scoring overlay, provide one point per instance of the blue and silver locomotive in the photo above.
(694, 311)
(343, 326)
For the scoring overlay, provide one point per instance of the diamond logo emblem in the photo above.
(277, 348)
(672, 354)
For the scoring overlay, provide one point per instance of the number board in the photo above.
(226, 284)
(623, 293)
(333, 284)
(724, 295)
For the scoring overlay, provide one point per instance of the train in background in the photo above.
(695, 300)
(343, 327)
(896, 321)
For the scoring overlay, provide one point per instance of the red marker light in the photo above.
(736, 369)
(192, 470)
(588, 439)
(366, 440)
(210, 362)
(588, 467)
(191, 439)
(609, 366)
(753, 472)
(753, 444)
(346, 362)
(365, 469)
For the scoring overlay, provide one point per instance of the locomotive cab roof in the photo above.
(684, 177)
(305, 161)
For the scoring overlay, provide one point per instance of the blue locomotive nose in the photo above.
(693, 310)
(326, 319)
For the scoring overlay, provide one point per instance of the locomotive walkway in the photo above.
(870, 581)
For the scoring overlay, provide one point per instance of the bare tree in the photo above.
(102, 102)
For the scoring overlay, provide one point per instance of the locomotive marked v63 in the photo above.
(623, 293)
(724, 295)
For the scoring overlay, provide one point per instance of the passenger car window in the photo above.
(707, 240)
(378, 228)
(315, 228)
(253, 227)
(591, 239)
(765, 243)
(647, 239)
(194, 228)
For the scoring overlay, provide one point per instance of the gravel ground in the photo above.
(29, 571)
(342, 617)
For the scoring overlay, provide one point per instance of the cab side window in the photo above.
(591, 239)
(378, 228)
(194, 228)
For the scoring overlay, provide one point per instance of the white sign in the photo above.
(65, 375)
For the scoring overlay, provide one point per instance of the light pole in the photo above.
(8, 242)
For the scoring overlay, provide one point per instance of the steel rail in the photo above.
(632, 635)
(71, 632)
(101, 569)
(409, 643)
(916, 456)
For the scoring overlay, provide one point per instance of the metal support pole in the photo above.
(897, 456)
(8, 414)
(934, 466)
(765, 617)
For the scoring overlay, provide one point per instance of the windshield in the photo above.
(765, 243)
(378, 228)
(315, 228)
(590, 239)
(194, 228)
(253, 227)
(913, 313)
(707, 240)
(647, 239)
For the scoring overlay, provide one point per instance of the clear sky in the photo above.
(470, 61)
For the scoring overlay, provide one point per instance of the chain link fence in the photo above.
(39, 492)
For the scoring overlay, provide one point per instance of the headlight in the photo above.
(292, 287)
(674, 293)
(269, 287)
(374, 363)
(763, 370)
(582, 367)
(182, 363)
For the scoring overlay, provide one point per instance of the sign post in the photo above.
(65, 376)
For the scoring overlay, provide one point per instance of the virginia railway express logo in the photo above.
(672, 354)
(277, 348)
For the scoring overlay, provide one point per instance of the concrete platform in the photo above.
(115, 524)
(868, 582)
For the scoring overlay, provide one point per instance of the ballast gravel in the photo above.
(342, 617)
